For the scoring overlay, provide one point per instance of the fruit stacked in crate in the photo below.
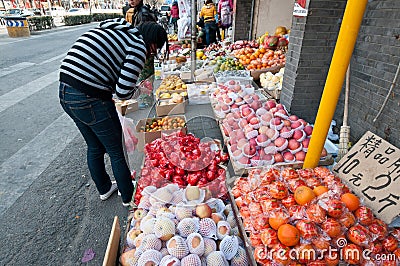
(183, 226)
(312, 215)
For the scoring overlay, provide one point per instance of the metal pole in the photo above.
(346, 41)
(194, 42)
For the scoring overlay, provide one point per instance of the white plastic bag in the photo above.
(130, 140)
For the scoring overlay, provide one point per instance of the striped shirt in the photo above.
(105, 60)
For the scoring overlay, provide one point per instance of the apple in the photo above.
(287, 123)
(305, 143)
(296, 124)
(266, 117)
(234, 147)
(256, 97)
(293, 144)
(278, 157)
(271, 133)
(241, 143)
(308, 129)
(246, 112)
(262, 138)
(276, 121)
(300, 156)
(238, 100)
(297, 134)
(253, 142)
(280, 106)
(254, 121)
(288, 156)
(243, 123)
(263, 129)
(269, 104)
(293, 117)
(216, 217)
(244, 160)
(303, 122)
(249, 150)
(279, 142)
(203, 211)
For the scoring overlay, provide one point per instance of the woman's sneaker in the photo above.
(113, 188)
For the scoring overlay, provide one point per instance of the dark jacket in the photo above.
(140, 14)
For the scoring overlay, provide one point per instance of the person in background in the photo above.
(225, 10)
(103, 61)
(138, 13)
(125, 8)
(175, 15)
(208, 13)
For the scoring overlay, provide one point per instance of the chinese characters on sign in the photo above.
(372, 170)
(299, 9)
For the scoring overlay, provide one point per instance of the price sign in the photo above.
(372, 170)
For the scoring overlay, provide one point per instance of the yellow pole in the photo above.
(346, 40)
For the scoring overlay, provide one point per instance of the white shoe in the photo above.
(113, 188)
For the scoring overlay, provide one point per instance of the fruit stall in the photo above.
(219, 172)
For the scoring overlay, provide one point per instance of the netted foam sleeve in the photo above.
(150, 255)
(209, 246)
(165, 212)
(240, 258)
(217, 258)
(229, 246)
(195, 243)
(182, 212)
(191, 260)
(150, 241)
(177, 197)
(164, 228)
(147, 225)
(144, 203)
(161, 195)
(169, 260)
(131, 236)
(216, 204)
(187, 226)
(231, 220)
(172, 187)
(138, 240)
(223, 229)
(177, 247)
(164, 251)
(147, 191)
(208, 228)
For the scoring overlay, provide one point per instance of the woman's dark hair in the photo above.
(209, 2)
(153, 33)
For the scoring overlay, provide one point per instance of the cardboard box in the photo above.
(147, 137)
(126, 107)
(170, 109)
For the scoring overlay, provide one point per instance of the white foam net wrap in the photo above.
(209, 246)
(150, 241)
(177, 247)
(138, 240)
(182, 212)
(164, 227)
(223, 229)
(131, 236)
(229, 246)
(217, 258)
(145, 203)
(164, 251)
(191, 260)
(169, 260)
(147, 225)
(208, 228)
(165, 212)
(195, 243)
(240, 258)
(150, 256)
(128, 258)
(187, 226)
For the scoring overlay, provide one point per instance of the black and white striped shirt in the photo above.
(105, 60)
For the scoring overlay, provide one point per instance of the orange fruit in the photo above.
(288, 235)
(351, 201)
(276, 222)
(303, 195)
(319, 190)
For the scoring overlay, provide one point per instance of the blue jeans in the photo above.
(210, 31)
(98, 122)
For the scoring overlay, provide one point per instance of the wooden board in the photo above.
(110, 258)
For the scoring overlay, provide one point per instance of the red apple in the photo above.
(297, 134)
(266, 117)
(288, 156)
(293, 144)
(305, 143)
(278, 157)
(262, 138)
(253, 142)
(271, 133)
(249, 150)
(254, 121)
(244, 160)
(287, 123)
(276, 121)
(263, 129)
(280, 106)
(296, 124)
(279, 142)
(293, 117)
(308, 129)
(269, 104)
(300, 156)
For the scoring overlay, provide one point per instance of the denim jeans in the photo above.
(210, 31)
(98, 122)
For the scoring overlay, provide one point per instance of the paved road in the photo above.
(50, 211)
